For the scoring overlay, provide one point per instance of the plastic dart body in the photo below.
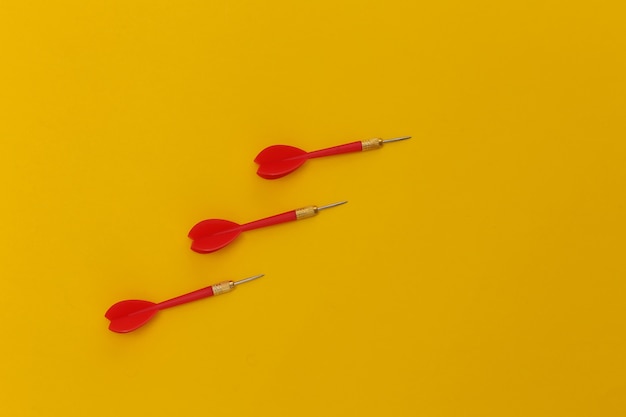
(279, 160)
(129, 315)
(213, 234)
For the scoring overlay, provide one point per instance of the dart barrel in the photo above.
(306, 212)
(223, 287)
(371, 144)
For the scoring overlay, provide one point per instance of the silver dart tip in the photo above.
(396, 139)
(331, 205)
(243, 281)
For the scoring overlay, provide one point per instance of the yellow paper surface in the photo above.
(477, 270)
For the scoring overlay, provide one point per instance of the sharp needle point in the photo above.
(396, 139)
(243, 281)
(331, 205)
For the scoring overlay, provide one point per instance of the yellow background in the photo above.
(477, 270)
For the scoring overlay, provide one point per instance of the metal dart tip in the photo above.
(396, 139)
(243, 281)
(331, 205)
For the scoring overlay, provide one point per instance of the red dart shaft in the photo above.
(336, 150)
(269, 221)
(189, 297)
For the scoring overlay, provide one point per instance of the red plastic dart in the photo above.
(279, 160)
(130, 315)
(213, 234)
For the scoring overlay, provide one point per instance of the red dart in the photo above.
(279, 160)
(130, 315)
(213, 234)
